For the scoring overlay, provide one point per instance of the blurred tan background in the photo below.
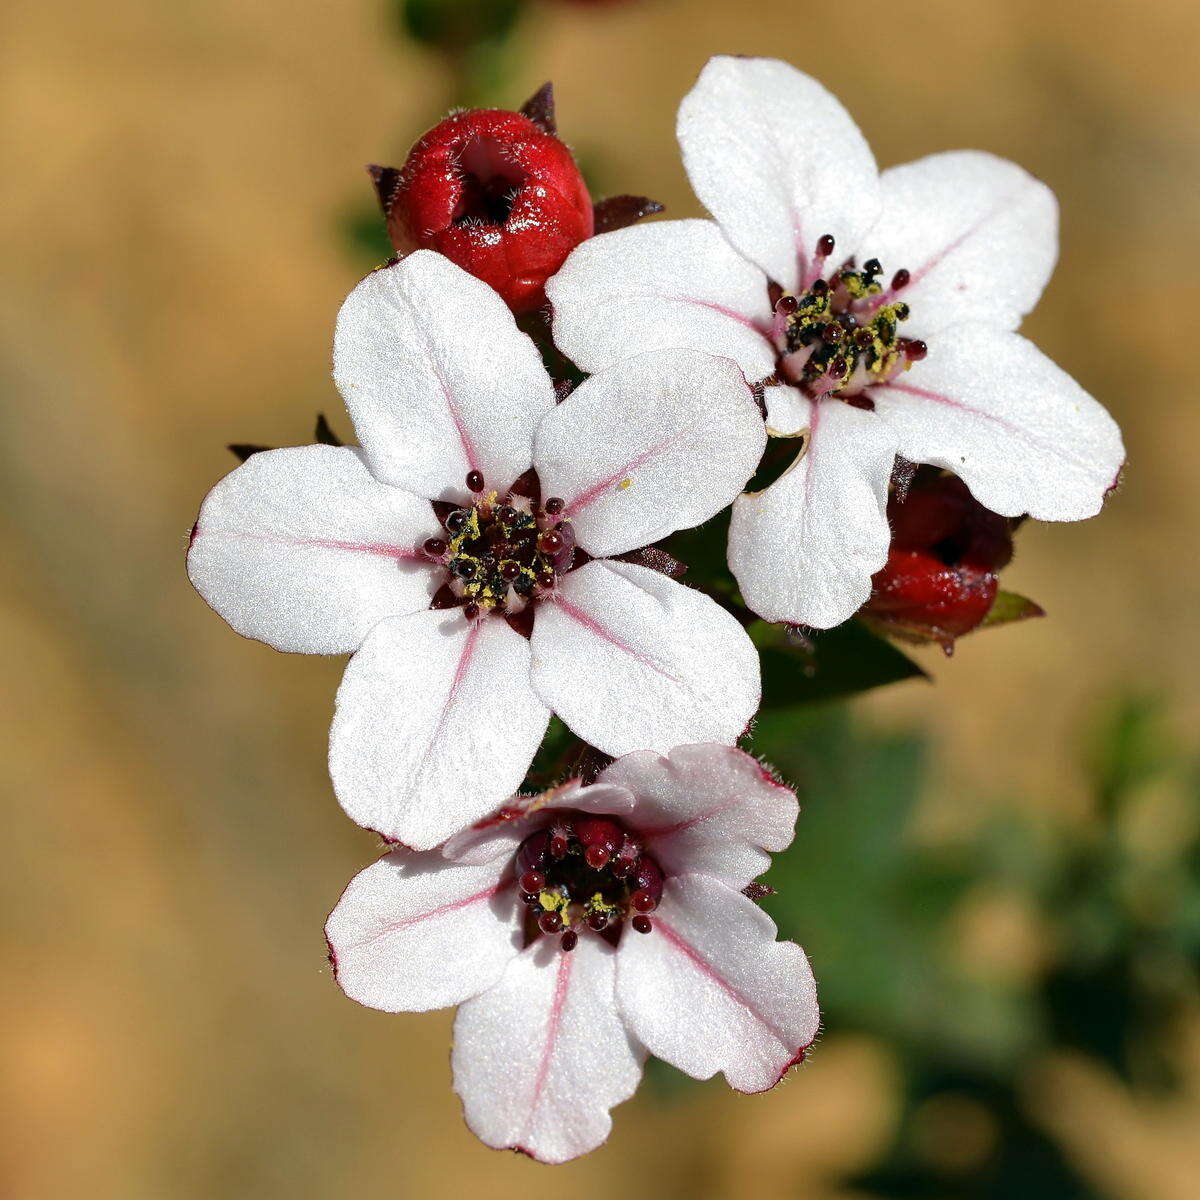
(174, 178)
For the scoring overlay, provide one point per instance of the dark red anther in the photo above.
(833, 333)
(560, 839)
(471, 610)
(551, 542)
(642, 901)
(819, 287)
(464, 568)
(435, 547)
(533, 851)
(787, 304)
(555, 505)
(825, 244)
(872, 267)
(569, 941)
(597, 921)
(456, 521)
(626, 858)
(900, 279)
(475, 481)
(509, 570)
(642, 923)
(550, 922)
(915, 350)
(596, 857)
(444, 597)
(648, 878)
(532, 882)
(545, 579)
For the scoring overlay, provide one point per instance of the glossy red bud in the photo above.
(496, 194)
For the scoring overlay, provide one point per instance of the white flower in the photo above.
(968, 241)
(583, 929)
(468, 635)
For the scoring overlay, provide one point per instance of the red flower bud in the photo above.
(496, 193)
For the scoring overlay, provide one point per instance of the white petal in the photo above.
(804, 550)
(778, 162)
(666, 285)
(438, 378)
(435, 725)
(1019, 431)
(709, 988)
(707, 808)
(413, 932)
(541, 1058)
(978, 233)
(303, 549)
(503, 831)
(632, 660)
(656, 443)
(788, 410)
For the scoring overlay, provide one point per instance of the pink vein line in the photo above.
(562, 982)
(593, 493)
(460, 671)
(706, 968)
(376, 548)
(453, 906)
(969, 232)
(456, 417)
(740, 318)
(606, 635)
(687, 822)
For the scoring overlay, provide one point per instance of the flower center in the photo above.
(500, 554)
(585, 872)
(842, 332)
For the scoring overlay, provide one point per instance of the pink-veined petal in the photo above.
(435, 725)
(978, 234)
(632, 660)
(414, 932)
(656, 443)
(804, 550)
(778, 162)
(707, 808)
(666, 285)
(541, 1058)
(438, 378)
(1018, 430)
(709, 988)
(504, 830)
(303, 549)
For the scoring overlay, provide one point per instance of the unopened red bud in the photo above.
(496, 194)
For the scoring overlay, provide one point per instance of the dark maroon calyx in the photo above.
(585, 872)
(501, 553)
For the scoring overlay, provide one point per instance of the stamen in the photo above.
(532, 882)
(900, 279)
(569, 941)
(435, 547)
(474, 482)
(642, 924)
(550, 922)
(555, 505)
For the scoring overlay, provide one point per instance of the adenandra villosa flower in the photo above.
(464, 552)
(919, 359)
(584, 928)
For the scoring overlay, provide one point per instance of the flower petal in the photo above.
(1018, 431)
(707, 808)
(804, 550)
(504, 830)
(666, 285)
(541, 1057)
(438, 378)
(778, 162)
(435, 725)
(656, 443)
(413, 932)
(304, 550)
(978, 234)
(710, 989)
(632, 660)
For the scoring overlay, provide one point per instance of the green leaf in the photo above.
(835, 662)
(1009, 607)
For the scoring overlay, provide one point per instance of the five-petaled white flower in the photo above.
(969, 241)
(471, 628)
(584, 928)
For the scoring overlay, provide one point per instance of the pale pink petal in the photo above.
(666, 285)
(656, 443)
(435, 725)
(541, 1058)
(304, 550)
(438, 378)
(804, 550)
(632, 660)
(414, 932)
(707, 808)
(978, 234)
(1019, 431)
(709, 988)
(778, 162)
(503, 831)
